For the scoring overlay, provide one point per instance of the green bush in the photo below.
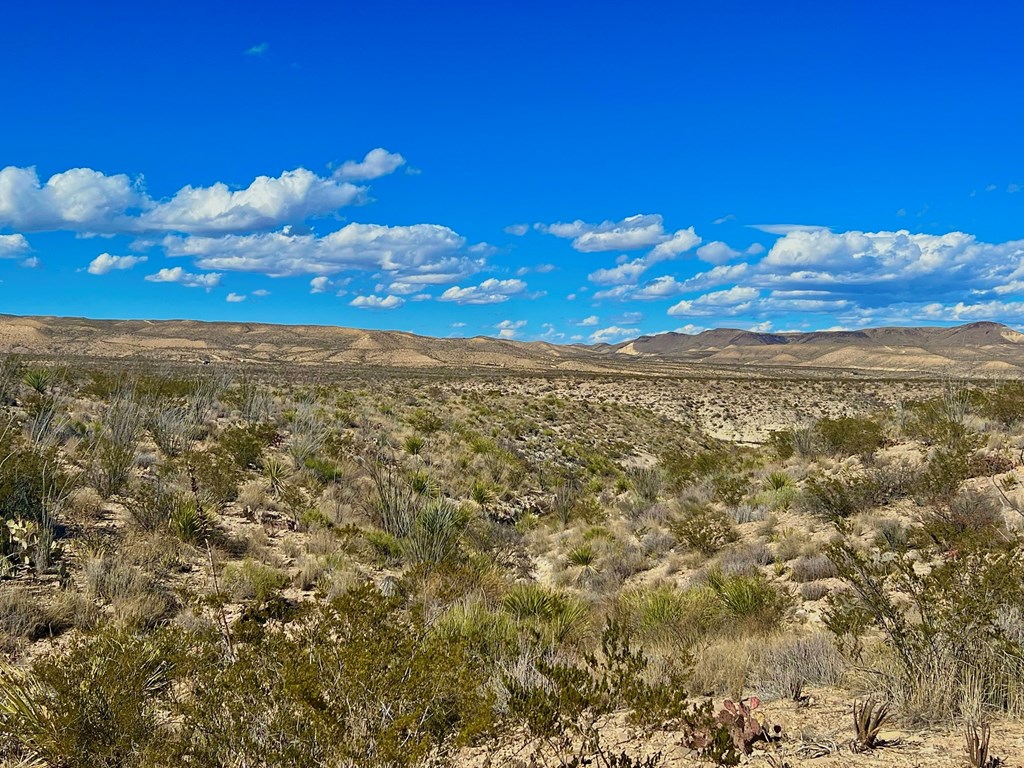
(245, 443)
(851, 435)
(702, 528)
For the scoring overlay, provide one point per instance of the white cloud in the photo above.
(377, 302)
(13, 246)
(87, 201)
(458, 325)
(417, 252)
(378, 162)
(633, 232)
(612, 334)
(266, 203)
(680, 242)
(209, 281)
(517, 229)
(234, 298)
(77, 199)
(626, 272)
(785, 229)
(261, 292)
(31, 262)
(319, 284)
(508, 329)
(588, 321)
(717, 252)
(490, 291)
(691, 329)
(105, 263)
(258, 50)
(733, 301)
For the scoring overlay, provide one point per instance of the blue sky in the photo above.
(566, 171)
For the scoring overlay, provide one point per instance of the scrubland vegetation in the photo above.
(211, 567)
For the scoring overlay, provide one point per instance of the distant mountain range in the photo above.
(982, 348)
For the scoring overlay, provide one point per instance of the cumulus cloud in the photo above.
(209, 281)
(420, 252)
(517, 229)
(509, 329)
(13, 246)
(630, 234)
(378, 162)
(589, 321)
(628, 271)
(490, 291)
(266, 203)
(77, 199)
(611, 334)
(87, 201)
(235, 298)
(377, 302)
(733, 301)
(105, 263)
(717, 252)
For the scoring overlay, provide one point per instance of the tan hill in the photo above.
(984, 349)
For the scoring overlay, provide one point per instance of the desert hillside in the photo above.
(976, 349)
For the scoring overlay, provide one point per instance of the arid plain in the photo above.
(652, 553)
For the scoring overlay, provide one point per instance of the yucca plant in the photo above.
(436, 533)
(777, 481)
(482, 494)
(276, 472)
(190, 523)
(413, 445)
(38, 379)
(868, 718)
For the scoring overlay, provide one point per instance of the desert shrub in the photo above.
(945, 635)
(782, 443)
(1005, 404)
(355, 682)
(946, 469)
(812, 568)
(664, 618)
(787, 664)
(851, 435)
(558, 706)
(546, 616)
(836, 498)
(33, 487)
(970, 515)
(151, 504)
(646, 483)
(114, 444)
(138, 600)
(434, 537)
(750, 602)
(245, 444)
(93, 704)
(252, 580)
(215, 473)
(702, 528)
(814, 590)
(425, 421)
(171, 427)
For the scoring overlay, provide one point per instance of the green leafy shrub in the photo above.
(702, 528)
(245, 444)
(851, 435)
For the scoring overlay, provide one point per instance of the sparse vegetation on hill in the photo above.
(208, 566)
